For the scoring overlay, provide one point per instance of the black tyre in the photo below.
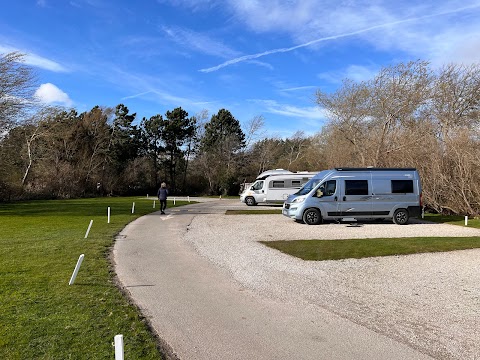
(400, 216)
(250, 201)
(312, 217)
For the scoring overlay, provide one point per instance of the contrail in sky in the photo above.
(284, 50)
(136, 95)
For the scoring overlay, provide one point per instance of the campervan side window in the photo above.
(296, 183)
(356, 187)
(402, 186)
(326, 189)
(257, 186)
(277, 184)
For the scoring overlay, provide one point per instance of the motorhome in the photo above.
(352, 194)
(274, 186)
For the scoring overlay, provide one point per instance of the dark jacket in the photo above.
(162, 194)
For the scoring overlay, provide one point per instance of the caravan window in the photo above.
(296, 183)
(402, 186)
(277, 184)
(356, 187)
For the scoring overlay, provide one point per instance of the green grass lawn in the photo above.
(452, 219)
(41, 316)
(361, 248)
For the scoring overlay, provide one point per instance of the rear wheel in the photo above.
(400, 217)
(312, 217)
(250, 201)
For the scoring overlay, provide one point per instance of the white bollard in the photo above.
(147, 196)
(220, 197)
(89, 227)
(108, 215)
(77, 267)
(188, 197)
(154, 204)
(118, 340)
(174, 201)
(466, 220)
(133, 208)
(423, 213)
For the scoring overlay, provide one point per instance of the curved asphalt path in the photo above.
(202, 313)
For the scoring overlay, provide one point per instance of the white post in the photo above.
(77, 267)
(174, 201)
(188, 197)
(154, 204)
(89, 227)
(423, 212)
(220, 197)
(466, 220)
(133, 208)
(147, 196)
(118, 340)
(108, 215)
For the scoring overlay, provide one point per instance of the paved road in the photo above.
(202, 313)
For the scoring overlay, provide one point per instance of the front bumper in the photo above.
(290, 210)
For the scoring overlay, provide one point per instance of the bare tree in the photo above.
(17, 88)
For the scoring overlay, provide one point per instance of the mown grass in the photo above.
(253, 212)
(318, 250)
(41, 316)
(452, 219)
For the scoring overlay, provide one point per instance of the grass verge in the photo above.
(360, 248)
(41, 316)
(452, 219)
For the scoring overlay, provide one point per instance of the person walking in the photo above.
(162, 197)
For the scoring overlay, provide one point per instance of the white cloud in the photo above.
(50, 94)
(356, 73)
(415, 29)
(34, 59)
(309, 112)
(199, 42)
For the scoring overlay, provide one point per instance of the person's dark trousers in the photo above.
(163, 205)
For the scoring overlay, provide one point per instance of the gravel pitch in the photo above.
(428, 301)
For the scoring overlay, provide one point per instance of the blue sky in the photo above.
(253, 57)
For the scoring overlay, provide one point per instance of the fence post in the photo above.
(88, 229)
(133, 207)
(77, 267)
(108, 215)
(118, 340)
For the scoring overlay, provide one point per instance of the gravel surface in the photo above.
(428, 301)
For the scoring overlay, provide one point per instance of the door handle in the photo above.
(336, 198)
(344, 198)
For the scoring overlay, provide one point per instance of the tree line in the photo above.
(408, 115)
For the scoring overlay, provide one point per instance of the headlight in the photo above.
(298, 199)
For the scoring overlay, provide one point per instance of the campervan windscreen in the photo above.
(312, 183)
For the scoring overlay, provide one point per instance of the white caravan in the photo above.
(357, 193)
(274, 186)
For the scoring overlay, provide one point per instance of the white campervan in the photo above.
(274, 186)
(357, 193)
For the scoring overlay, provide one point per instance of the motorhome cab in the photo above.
(274, 186)
(352, 194)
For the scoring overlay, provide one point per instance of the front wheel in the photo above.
(312, 217)
(250, 201)
(400, 217)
